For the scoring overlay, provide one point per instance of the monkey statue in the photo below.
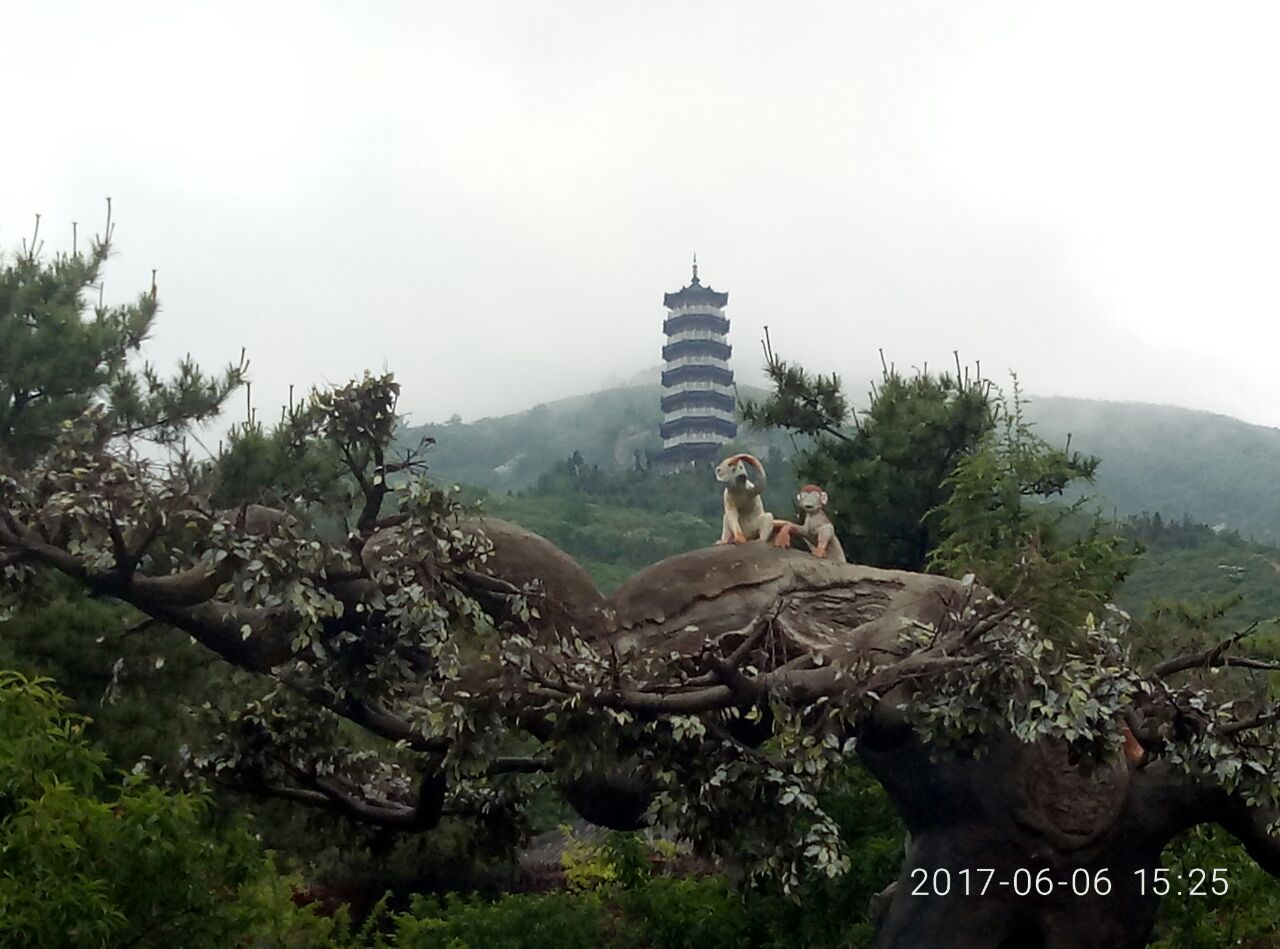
(745, 518)
(817, 530)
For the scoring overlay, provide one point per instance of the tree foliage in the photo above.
(87, 859)
(61, 353)
(1061, 562)
(886, 471)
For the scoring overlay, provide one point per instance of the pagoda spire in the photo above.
(695, 266)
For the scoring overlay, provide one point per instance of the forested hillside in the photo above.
(1214, 469)
(1193, 561)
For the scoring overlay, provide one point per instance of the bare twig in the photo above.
(1208, 658)
(1255, 721)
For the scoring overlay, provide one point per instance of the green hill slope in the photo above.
(611, 542)
(1182, 561)
(1215, 469)
(1211, 468)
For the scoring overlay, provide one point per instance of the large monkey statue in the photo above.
(745, 518)
(817, 529)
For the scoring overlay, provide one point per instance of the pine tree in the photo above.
(886, 472)
(64, 351)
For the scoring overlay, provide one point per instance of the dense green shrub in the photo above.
(659, 913)
(688, 913)
(547, 921)
(90, 861)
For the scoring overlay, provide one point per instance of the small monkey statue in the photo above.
(817, 529)
(745, 518)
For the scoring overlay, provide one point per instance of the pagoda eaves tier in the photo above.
(694, 295)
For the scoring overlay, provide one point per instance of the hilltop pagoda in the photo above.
(698, 392)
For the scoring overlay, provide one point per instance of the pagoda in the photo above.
(697, 383)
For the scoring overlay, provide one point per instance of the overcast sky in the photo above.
(491, 198)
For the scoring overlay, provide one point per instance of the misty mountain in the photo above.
(609, 428)
(1215, 469)
(1212, 468)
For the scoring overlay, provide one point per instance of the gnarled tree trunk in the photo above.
(1013, 845)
